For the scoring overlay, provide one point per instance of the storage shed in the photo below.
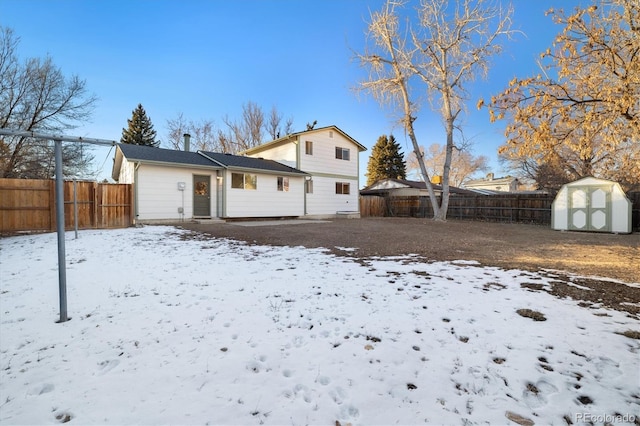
(591, 204)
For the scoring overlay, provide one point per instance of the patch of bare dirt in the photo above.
(519, 246)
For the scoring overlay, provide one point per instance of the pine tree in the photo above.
(386, 161)
(140, 130)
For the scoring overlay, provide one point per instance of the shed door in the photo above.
(201, 196)
(590, 208)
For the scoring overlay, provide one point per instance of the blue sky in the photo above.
(206, 59)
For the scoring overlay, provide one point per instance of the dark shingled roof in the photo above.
(202, 158)
(239, 161)
(160, 155)
(412, 184)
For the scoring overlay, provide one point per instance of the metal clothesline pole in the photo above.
(58, 139)
(62, 269)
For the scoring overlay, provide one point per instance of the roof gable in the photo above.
(389, 184)
(295, 135)
(506, 180)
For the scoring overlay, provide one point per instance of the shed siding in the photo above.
(620, 212)
(266, 200)
(560, 210)
(158, 195)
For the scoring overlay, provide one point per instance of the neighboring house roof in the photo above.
(490, 181)
(389, 184)
(290, 136)
(485, 191)
(230, 161)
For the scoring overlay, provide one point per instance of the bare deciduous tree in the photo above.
(274, 126)
(248, 131)
(463, 163)
(204, 134)
(446, 48)
(237, 136)
(36, 96)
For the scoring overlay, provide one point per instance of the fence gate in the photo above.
(29, 205)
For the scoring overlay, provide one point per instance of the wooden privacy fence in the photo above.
(529, 208)
(373, 206)
(29, 205)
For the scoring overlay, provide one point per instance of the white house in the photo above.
(407, 188)
(174, 185)
(256, 187)
(164, 181)
(492, 184)
(312, 173)
(330, 158)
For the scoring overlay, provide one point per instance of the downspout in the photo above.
(135, 191)
(297, 143)
(222, 192)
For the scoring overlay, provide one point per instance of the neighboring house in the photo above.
(173, 185)
(312, 173)
(490, 184)
(406, 188)
(330, 157)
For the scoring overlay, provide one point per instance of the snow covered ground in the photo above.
(167, 330)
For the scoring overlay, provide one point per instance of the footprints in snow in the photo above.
(42, 389)
(106, 366)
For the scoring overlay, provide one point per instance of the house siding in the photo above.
(323, 166)
(325, 201)
(285, 154)
(127, 174)
(266, 200)
(157, 194)
(324, 158)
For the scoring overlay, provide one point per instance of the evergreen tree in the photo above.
(140, 130)
(386, 161)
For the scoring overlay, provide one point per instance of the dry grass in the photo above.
(529, 313)
(631, 334)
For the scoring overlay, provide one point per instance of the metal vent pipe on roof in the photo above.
(187, 142)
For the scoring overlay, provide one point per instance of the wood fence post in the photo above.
(94, 203)
(52, 205)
